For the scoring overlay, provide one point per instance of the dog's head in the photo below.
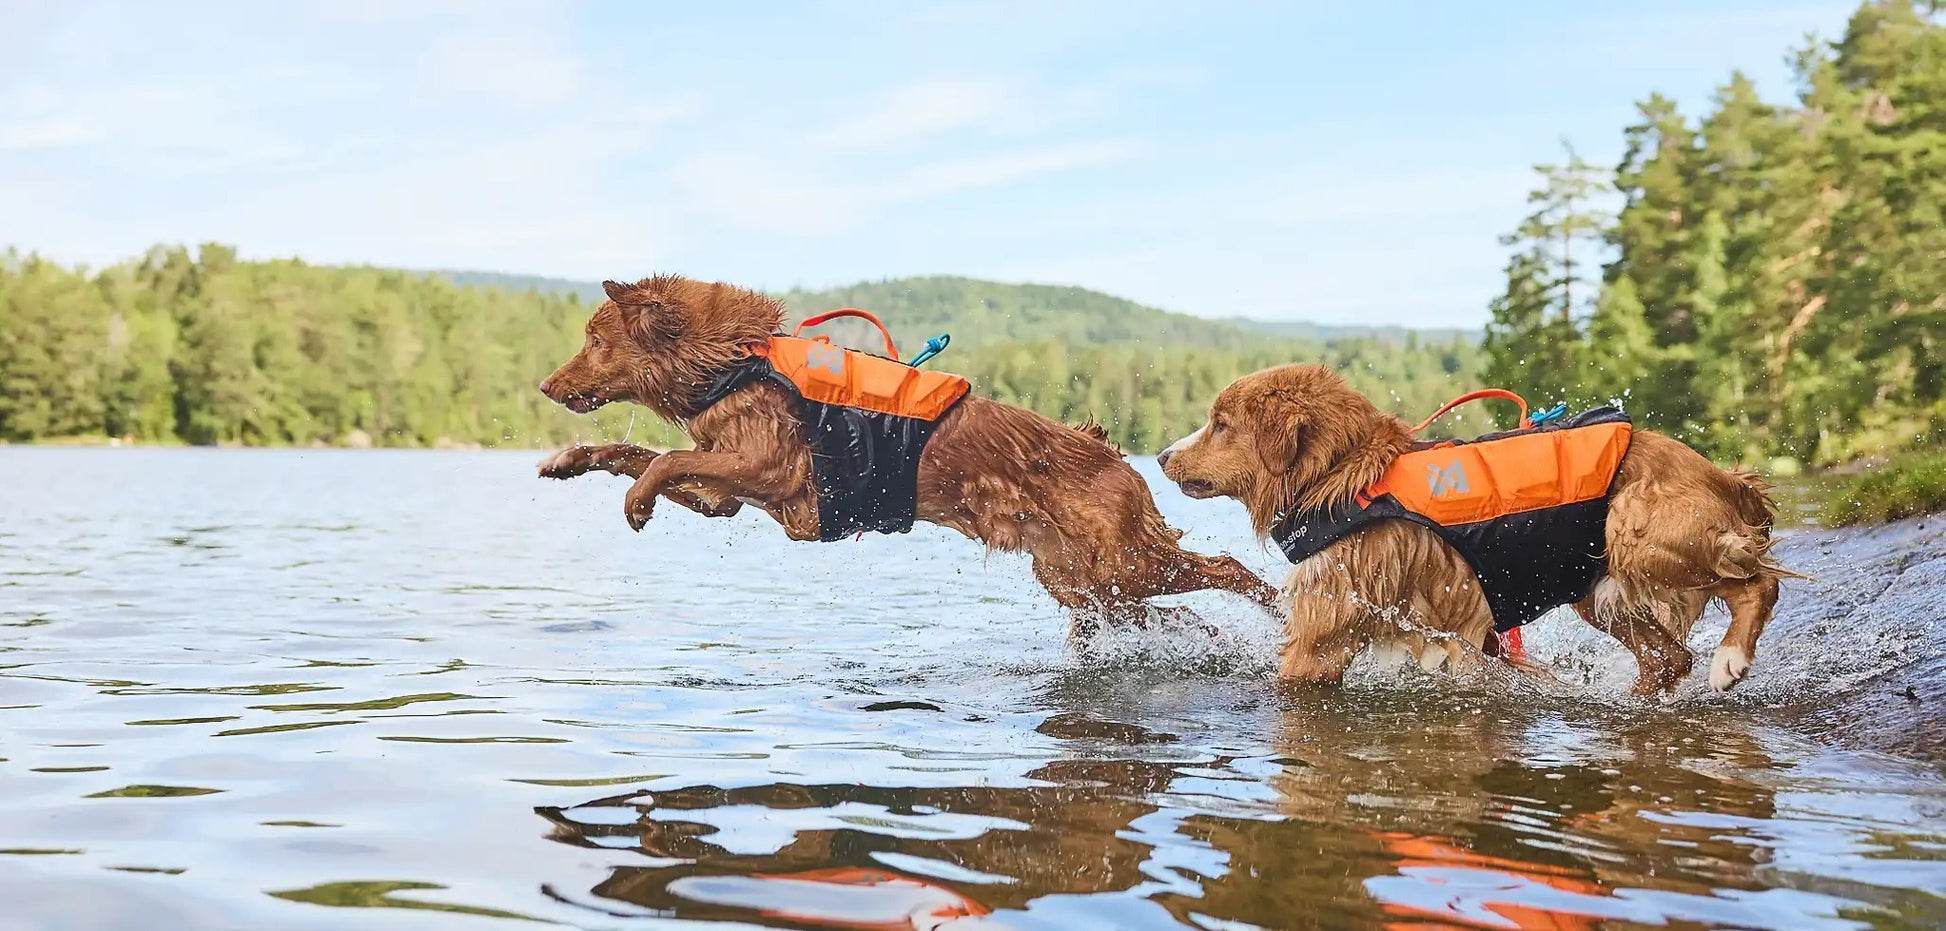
(658, 341)
(1291, 436)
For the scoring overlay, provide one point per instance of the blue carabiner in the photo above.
(934, 347)
(1553, 413)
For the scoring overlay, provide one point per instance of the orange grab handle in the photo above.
(890, 349)
(1500, 393)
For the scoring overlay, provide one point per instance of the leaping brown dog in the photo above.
(1426, 546)
(696, 353)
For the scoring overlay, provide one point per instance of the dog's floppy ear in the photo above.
(649, 319)
(618, 292)
(1280, 433)
(655, 322)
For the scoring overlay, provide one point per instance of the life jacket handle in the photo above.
(866, 315)
(1483, 393)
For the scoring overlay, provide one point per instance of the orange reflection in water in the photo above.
(1480, 891)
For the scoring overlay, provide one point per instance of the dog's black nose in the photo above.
(1162, 460)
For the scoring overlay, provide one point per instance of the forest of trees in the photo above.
(204, 348)
(1776, 275)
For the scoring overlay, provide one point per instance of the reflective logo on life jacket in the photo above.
(825, 356)
(1450, 480)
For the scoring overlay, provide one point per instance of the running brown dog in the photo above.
(1005, 476)
(1679, 531)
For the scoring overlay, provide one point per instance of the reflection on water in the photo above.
(283, 689)
(1467, 816)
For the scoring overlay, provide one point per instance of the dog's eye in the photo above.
(1218, 426)
(594, 340)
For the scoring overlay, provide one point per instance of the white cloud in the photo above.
(511, 67)
(810, 195)
(924, 109)
(962, 174)
(470, 138)
(60, 131)
(750, 190)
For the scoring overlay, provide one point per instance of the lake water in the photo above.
(337, 689)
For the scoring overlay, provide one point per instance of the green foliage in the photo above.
(1776, 286)
(1149, 395)
(1911, 484)
(984, 313)
(207, 349)
(1531, 341)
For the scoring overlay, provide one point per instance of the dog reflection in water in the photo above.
(1400, 815)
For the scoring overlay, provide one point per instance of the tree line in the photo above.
(206, 349)
(1148, 396)
(203, 348)
(1775, 283)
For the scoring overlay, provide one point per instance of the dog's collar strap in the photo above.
(746, 371)
(1304, 534)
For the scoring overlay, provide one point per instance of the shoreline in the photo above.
(106, 444)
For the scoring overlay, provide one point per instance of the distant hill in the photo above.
(983, 313)
(1332, 332)
(586, 291)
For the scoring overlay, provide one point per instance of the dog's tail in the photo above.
(1746, 551)
(1092, 429)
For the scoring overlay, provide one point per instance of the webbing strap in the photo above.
(866, 315)
(1482, 394)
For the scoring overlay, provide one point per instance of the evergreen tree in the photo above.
(1776, 286)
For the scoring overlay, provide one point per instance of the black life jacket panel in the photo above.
(1533, 547)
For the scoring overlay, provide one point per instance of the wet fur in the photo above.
(1005, 476)
(1680, 532)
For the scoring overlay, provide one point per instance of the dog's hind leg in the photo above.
(1750, 602)
(1661, 660)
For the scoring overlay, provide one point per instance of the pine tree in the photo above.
(1777, 286)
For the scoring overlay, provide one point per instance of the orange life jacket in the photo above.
(831, 374)
(1528, 509)
(866, 418)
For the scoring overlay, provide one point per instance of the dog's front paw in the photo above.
(1728, 667)
(581, 460)
(568, 463)
(639, 505)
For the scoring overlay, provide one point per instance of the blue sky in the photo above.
(1330, 162)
